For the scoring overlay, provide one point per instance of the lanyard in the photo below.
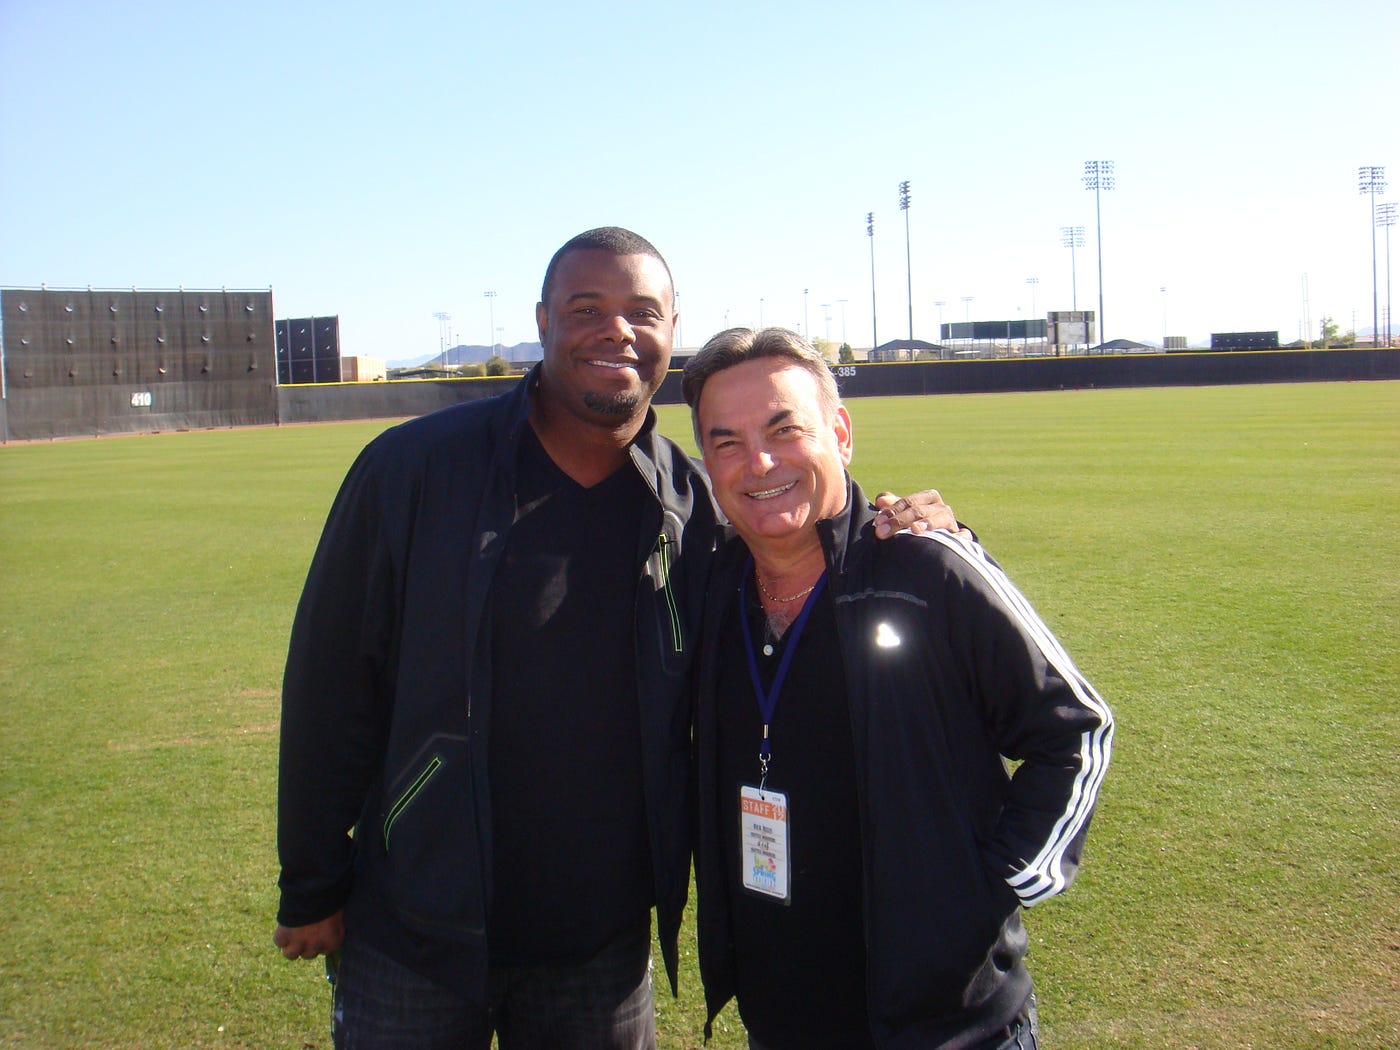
(768, 700)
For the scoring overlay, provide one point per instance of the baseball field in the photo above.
(1223, 563)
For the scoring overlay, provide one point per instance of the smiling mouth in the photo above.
(770, 493)
(615, 365)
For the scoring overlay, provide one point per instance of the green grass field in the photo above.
(1224, 563)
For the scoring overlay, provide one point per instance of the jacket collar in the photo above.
(840, 532)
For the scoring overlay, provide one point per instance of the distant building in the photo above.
(362, 370)
(907, 350)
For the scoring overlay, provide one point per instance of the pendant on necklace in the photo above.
(768, 650)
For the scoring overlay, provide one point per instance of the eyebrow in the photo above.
(593, 297)
(773, 420)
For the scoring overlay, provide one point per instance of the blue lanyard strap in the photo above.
(768, 699)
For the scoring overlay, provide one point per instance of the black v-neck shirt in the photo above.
(571, 856)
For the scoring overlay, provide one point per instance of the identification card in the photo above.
(763, 842)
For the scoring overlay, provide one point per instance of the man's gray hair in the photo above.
(734, 346)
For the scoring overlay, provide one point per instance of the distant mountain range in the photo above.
(465, 355)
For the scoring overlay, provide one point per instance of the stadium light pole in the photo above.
(1072, 237)
(1385, 216)
(1164, 317)
(940, 303)
(806, 324)
(874, 325)
(1371, 179)
(442, 320)
(1030, 320)
(826, 316)
(491, 298)
(843, 320)
(908, 268)
(1098, 176)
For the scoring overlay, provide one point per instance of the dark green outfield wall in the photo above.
(1068, 373)
(323, 402)
(327, 402)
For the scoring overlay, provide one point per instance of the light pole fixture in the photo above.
(1385, 216)
(1072, 237)
(1098, 176)
(874, 326)
(491, 298)
(1371, 179)
(908, 270)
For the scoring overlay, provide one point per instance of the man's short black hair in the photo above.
(612, 239)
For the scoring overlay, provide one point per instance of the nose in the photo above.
(761, 462)
(616, 328)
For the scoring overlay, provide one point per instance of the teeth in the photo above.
(612, 364)
(770, 493)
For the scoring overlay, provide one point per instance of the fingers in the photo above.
(294, 944)
(307, 942)
(918, 513)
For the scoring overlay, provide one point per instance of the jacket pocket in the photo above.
(428, 866)
(405, 799)
(662, 569)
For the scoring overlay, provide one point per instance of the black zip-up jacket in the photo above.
(387, 693)
(947, 669)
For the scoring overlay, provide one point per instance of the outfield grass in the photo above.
(1223, 562)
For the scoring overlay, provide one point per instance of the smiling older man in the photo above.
(864, 854)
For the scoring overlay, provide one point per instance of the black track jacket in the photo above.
(947, 669)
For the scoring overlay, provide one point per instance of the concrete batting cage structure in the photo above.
(90, 362)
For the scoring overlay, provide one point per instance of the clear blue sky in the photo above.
(386, 162)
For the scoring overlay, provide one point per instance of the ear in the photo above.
(845, 438)
(541, 320)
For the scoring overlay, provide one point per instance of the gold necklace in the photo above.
(774, 598)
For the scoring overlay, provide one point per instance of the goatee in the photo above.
(616, 405)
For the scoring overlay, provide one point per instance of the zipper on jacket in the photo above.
(663, 549)
(406, 799)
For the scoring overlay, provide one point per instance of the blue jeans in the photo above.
(1024, 1032)
(1021, 1034)
(603, 1004)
